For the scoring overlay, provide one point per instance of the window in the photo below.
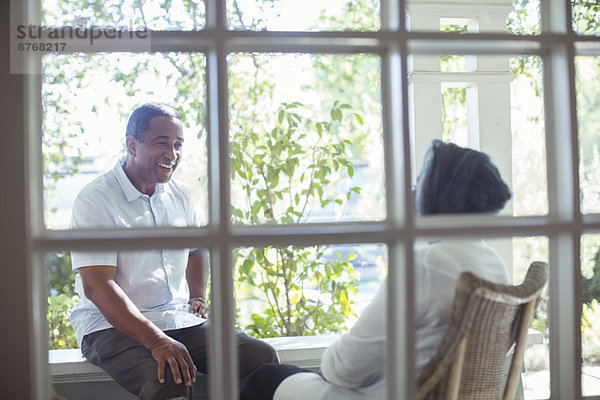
(203, 29)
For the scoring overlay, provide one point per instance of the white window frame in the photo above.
(557, 46)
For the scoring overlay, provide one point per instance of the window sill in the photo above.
(69, 366)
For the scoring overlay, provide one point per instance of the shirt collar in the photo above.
(130, 191)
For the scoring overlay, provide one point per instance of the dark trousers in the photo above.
(264, 382)
(132, 366)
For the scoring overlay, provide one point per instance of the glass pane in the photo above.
(530, 191)
(586, 17)
(125, 14)
(303, 15)
(588, 120)
(87, 100)
(306, 139)
(493, 104)
(590, 314)
(303, 291)
(536, 366)
(518, 17)
(454, 115)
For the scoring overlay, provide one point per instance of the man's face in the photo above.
(157, 156)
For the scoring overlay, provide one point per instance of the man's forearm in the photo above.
(196, 273)
(121, 313)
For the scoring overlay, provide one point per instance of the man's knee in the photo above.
(161, 391)
(254, 353)
(154, 390)
(264, 353)
(273, 356)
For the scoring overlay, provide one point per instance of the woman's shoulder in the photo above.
(458, 248)
(455, 256)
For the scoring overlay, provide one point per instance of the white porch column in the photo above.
(486, 79)
(425, 94)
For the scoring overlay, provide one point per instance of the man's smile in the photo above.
(166, 165)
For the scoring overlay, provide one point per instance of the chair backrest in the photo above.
(488, 321)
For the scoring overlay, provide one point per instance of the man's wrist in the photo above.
(157, 341)
(199, 298)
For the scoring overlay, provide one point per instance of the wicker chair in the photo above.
(488, 321)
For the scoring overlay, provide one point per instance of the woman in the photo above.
(454, 180)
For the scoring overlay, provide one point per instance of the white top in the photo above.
(354, 366)
(154, 280)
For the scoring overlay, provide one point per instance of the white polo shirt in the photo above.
(154, 280)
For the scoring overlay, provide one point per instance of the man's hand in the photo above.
(169, 351)
(198, 307)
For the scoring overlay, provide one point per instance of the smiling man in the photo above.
(153, 156)
(142, 314)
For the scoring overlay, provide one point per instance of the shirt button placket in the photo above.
(161, 220)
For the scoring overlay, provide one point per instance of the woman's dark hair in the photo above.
(457, 180)
(139, 120)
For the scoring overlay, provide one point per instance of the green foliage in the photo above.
(525, 18)
(186, 14)
(358, 15)
(288, 166)
(357, 80)
(539, 324)
(285, 171)
(588, 121)
(590, 331)
(303, 294)
(454, 102)
(590, 287)
(586, 16)
(540, 319)
(453, 28)
(62, 299)
(61, 333)
(60, 157)
(283, 175)
(61, 277)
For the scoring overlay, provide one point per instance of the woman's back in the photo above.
(437, 268)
